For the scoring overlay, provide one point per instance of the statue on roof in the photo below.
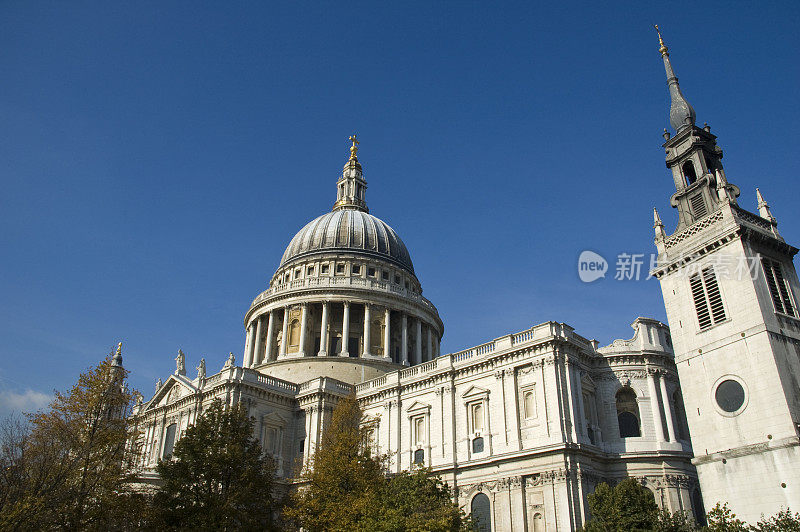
(180, 363)
(201, 369)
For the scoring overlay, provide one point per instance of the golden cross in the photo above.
(354, 147)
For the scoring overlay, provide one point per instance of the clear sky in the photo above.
(157, 157)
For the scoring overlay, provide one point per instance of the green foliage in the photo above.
(674, 522)
(347, 488)
(626, 506)
(722, 519)
(416, 500)
(217, 477)
(783, 521)
(64, 468)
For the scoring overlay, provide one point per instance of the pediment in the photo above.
(475, 392)
(174, 389)
(418, 407)
(274, 418)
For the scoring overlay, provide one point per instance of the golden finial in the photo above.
(354, 147)
(119, 348)
(663, 47)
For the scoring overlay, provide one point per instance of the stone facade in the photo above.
(522, 427)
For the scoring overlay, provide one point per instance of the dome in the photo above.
(349, 230)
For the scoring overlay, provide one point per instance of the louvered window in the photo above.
(698, 206)
(778, 287)
(707, 298)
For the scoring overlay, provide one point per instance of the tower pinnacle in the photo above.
(351, 186)
(681, 113)
(116, 361)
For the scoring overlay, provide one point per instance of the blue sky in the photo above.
(157, 157)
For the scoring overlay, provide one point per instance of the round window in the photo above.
(729, 395)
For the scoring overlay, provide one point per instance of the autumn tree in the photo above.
(217, 478)
(346, 486)
(64, 469)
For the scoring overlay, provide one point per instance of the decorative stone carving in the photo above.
(201, 370)
(180, 363)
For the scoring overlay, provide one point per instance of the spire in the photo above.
(351, 187)
(116, 361)
(658, 225)
(681, 113)
(763, 207)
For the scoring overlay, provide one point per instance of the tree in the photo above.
(783, 521)
(347, 487)
(218, 478)
(417, 500)
(722, 519)
(343, 478)
(65, 468)
(626, 506)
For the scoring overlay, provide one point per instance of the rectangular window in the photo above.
(385, 276)
(778, 287)
(310, 270)
(371, 272)
(707, 298)
(340, 269)
(356, 269)
(169, 441)
(272, 441)
(324, 268)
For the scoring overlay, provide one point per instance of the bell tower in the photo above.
(730, 287)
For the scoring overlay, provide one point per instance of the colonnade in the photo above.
(265, 344)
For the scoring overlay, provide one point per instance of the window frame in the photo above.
(777, 275)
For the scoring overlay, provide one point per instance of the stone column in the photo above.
(667, 408)
(323, 333)
(259, 344)
(581, 406)
(570, 407)
(367, 329)
(404, 340)
(270, 355)
(430, 343)
(247, 340)
(345, 329)
(303, 324)
(252, 350)
(387, 334)
(285, 331)
(651, 383)
(418, 350)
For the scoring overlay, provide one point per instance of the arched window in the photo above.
(477, 417)
(628, 413)
(689, 173)
(419, 456)
(681, 424)
(538, 522)
(480, 510)
(529, 404)
(169, 441)
(294, 333)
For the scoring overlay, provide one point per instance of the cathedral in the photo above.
(523, 427)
